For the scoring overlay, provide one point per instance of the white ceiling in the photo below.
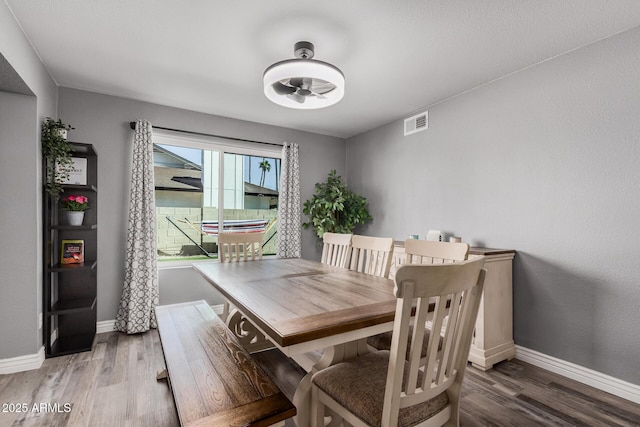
(397, 56)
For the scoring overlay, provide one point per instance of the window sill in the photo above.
(168, 265)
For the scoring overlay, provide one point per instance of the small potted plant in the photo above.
(57, 152)
(75, 205)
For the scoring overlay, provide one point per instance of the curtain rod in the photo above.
(133, 126)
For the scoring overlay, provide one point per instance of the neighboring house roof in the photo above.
(166, 158)
(176, 179)
(255, 190)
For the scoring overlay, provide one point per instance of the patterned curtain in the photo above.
(140, 292)
(289, 206)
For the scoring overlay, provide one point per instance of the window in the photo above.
(204, 185)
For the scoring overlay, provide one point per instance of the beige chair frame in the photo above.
(429, 252)
(416, 286)
(335, 249)
(238, 247)
(371, 255)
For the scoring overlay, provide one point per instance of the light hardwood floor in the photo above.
(114, 385)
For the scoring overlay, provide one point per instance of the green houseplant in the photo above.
(57, 152)
(334, 208)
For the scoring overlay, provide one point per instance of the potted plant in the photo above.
(57, 152)
(75, 206)
(334, 208)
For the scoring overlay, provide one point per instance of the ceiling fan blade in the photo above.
(281, 89)
(296, 97)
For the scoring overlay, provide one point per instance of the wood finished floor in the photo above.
(114, 385)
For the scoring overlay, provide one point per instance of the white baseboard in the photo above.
(105, 326)
(581, 374)
(22, 363)
(110, 325)
(29, 362)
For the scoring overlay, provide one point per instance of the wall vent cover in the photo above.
(416, 123)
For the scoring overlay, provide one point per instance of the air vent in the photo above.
(416, 123)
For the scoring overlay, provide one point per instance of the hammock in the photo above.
(210, 228)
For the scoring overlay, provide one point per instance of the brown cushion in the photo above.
(358, 384)
(383, 341)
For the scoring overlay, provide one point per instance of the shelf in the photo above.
(72, 306)
(75, 227)
(87, 265)
(80, 187)
(71, 344)
(69, 292)
(82, 148)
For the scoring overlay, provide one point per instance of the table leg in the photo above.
(248, 335)
(332, 356)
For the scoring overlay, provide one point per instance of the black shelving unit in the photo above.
(70, 290)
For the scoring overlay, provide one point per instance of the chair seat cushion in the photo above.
(359, 385)
(383, 341)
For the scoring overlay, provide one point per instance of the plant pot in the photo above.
(62, 133)
(75, 217)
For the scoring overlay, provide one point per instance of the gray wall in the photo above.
(104, 122)
(20, 182)
(18, 293)
(181, 284)
(544, 161)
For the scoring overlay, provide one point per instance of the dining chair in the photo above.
(382, 388)
(370, 255)
(335, 248)
(236, 247)
(423, 252)
(430, 252)
(239, 246)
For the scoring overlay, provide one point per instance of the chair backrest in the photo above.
(335, 249)
(429, 252)
(455, 289)
(239, 246)
(371, 255)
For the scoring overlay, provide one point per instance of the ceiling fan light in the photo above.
(303, 68)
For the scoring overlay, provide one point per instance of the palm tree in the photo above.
(266, 167)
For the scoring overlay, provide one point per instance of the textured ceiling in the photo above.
(397, 56)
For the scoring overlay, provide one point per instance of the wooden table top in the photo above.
(295, 301)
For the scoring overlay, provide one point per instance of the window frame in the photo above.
(222, 146)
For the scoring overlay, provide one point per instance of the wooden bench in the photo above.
(214, 381)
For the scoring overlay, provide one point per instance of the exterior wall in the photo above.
(167, 198)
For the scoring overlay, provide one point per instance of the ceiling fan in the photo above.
(303, 83)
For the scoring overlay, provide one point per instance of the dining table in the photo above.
(300, 306)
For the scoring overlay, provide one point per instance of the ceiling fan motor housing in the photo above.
(303, 50)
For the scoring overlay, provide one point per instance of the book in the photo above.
(72, 252)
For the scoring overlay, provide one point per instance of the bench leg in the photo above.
(161, 375)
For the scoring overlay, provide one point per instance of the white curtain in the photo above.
(140, 292)
(289, 207)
